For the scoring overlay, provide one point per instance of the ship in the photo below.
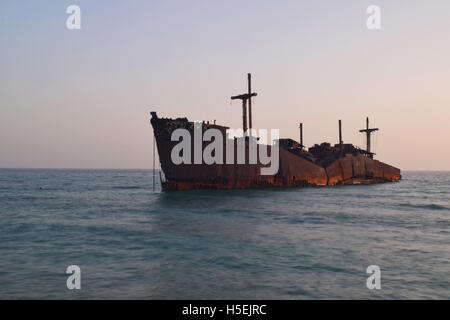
(322, 164)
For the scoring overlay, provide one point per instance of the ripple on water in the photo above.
(274, 243)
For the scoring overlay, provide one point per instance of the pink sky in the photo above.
(81, 99)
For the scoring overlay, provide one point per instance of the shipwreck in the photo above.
(320, 165)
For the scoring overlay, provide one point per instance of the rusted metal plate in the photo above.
(323, 165)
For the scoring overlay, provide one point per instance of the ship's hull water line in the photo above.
(293, 171)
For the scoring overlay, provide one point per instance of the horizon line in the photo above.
(50, 168)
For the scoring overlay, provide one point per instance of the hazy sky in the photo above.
(81, 98)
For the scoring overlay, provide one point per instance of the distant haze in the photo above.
(81, 98)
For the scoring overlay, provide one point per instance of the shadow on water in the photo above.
(205, 197)
(258, 192)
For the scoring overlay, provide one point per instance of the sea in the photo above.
(132, 242)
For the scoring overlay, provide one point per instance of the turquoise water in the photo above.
(131, 242)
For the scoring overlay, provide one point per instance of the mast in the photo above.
(301, 135)
(368, 131)
(244, 115)
(246, 97)
(249, 79)
(340, 136)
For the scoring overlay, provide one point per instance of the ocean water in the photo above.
(303, 243)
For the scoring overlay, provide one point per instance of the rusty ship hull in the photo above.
(321, 165)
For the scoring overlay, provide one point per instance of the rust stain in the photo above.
(320, 165)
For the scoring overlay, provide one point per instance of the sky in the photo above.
(81, 98)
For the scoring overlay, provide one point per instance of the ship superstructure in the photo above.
(321, 164)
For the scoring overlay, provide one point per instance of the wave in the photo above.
(127, 187)
(431, 206)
